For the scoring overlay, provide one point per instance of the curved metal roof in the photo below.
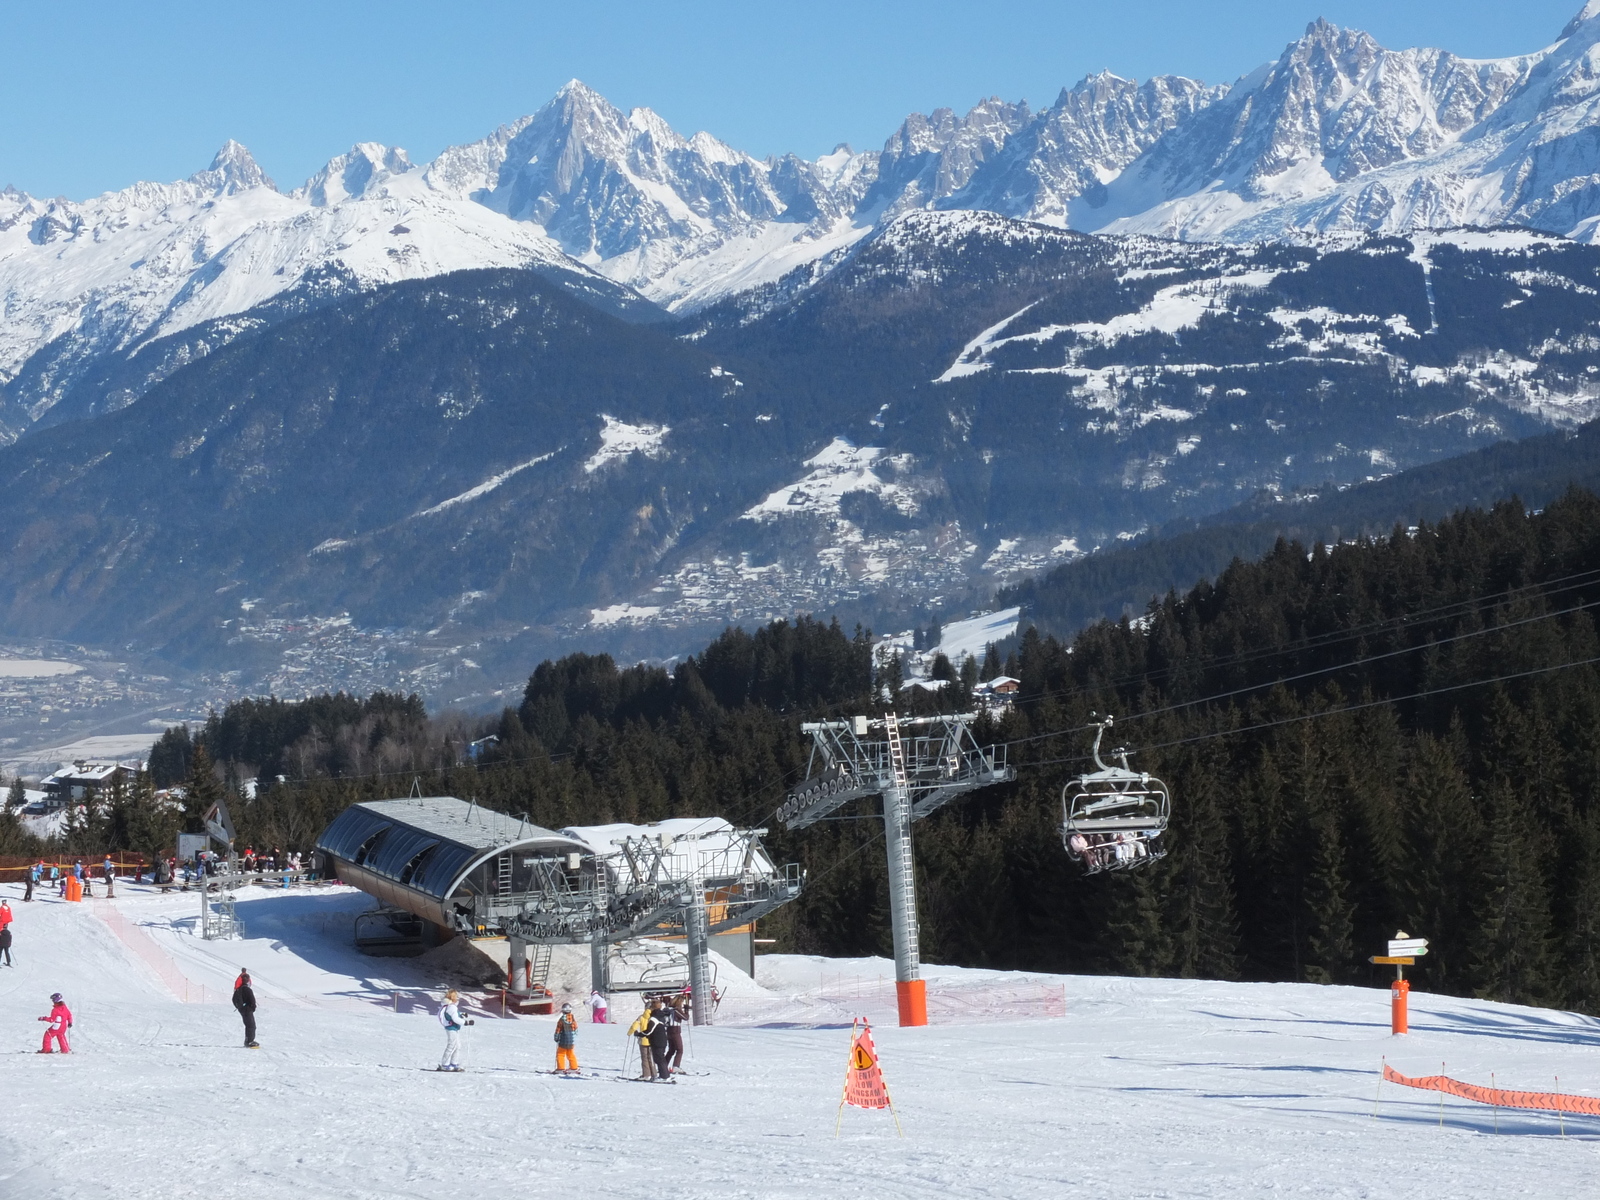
(429, 843)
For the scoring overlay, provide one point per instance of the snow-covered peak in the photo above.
(1080, 143)
(1335, 107)
(1588, 12)
(232, 170)
(933, 156)
(353, 174)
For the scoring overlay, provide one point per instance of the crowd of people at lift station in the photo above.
(165, 874)
(1100, 850)
(41, 874)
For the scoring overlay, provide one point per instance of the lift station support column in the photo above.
(517, 966)
(598, 947)
(941, 762)
(699, 939)
(910, 992)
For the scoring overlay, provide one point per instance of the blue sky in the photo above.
(100, 93)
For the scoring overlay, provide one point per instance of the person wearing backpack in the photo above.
(566, 1042)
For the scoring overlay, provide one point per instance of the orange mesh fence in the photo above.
(1500, 1097)
(14, 867)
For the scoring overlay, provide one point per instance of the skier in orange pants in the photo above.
(60, 1019)
(566, 1041)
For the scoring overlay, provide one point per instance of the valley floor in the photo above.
(1026, 1086)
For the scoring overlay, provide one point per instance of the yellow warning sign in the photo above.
(861, 1058)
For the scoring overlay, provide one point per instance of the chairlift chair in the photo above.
(1112, 818)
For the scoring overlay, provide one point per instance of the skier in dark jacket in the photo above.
(5, 946)
(244, 999)
(660, 1044)
(677, 1015)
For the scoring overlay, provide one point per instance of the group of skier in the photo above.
(39, 873)
(659, 1029)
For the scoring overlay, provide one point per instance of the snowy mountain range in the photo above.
(1337, 134)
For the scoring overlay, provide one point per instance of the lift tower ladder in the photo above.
(915, 776)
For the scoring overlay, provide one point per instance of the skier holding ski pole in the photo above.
(640, 1030)
(450, 1017)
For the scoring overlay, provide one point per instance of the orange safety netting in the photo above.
(1501, 1097)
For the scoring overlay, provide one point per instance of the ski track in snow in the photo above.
(1145, 1087)
(484, 488)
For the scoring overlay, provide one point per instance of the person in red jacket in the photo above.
(60, 1019)
(5, 913)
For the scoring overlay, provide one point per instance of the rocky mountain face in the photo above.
(590, 378)
(484, 467)
(1338, 134)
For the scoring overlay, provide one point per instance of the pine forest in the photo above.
(1397, 733)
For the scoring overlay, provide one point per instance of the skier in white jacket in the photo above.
(450, 1018)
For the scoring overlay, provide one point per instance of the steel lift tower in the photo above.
(918, 765)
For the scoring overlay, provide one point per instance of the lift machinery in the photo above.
(918, 765)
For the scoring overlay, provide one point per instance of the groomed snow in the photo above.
(618, 440)
(838, 469)
(622, 614)
(1026, 1085)
(959, 639)
(484, 488)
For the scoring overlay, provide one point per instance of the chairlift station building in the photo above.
(464, 869)
(442, 859)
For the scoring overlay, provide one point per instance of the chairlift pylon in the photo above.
(1113, 818)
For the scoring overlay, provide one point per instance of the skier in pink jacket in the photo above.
(60, 1019)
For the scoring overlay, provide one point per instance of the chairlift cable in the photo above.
(1329, 712)
(1360, 661)
(1255, 687)
(1405, 622)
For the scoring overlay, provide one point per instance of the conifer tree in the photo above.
(1581, 942)
(991, 663)
(201, 790)
(1200, 915)
(1511, 944)
(1444, 839)
(1330, 915)
(14, 837)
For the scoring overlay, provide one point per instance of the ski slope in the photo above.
(1143, 1088)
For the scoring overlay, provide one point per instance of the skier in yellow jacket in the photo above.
(641, 1029)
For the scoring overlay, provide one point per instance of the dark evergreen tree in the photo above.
(1511, 944)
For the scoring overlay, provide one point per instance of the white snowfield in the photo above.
(1143, 1087)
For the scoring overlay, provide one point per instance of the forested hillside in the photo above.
(1535, 470)
(1401, 733)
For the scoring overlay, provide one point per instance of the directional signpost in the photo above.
(1404, 950)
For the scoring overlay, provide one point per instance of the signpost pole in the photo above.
(1403, 952)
